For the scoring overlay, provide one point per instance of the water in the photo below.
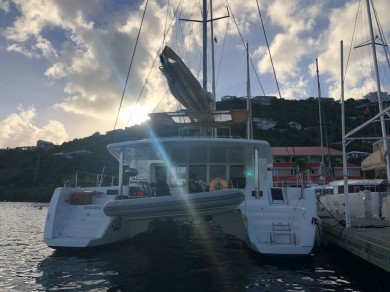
(182, 258)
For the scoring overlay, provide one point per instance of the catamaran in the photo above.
(227, 179)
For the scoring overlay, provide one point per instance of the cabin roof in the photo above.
(201, 119)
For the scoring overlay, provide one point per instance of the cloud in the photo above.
(358, 70)
(18, 129)
(4, 5)
(94, 58)
(85, 48)
(296, 89)
(293, 23)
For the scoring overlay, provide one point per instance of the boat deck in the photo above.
(369, 239)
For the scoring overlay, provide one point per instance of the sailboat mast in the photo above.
(205, 45)
(344, 142)
(212, 54)
(378, 91)
(320, 117)
(249, 130)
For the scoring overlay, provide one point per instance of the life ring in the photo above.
(218, 184)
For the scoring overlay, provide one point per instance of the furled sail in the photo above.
(183, 84)
(376, 160)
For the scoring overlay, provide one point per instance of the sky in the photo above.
(64, 64)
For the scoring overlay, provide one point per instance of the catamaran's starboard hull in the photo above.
(285, 227)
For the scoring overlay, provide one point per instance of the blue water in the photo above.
(185, 257)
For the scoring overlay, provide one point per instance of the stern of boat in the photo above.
(282, 221)
(76, 219)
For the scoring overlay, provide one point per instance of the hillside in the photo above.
(33, 175)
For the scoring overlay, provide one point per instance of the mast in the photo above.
(212, 54)
(378, 90)
(345, 170)
(214, 131)
(320, 117)
(249, 130)
(205, 45)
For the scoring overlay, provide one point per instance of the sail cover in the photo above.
(183, 84)
(376, 160)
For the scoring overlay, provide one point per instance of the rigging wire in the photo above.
(165, 94)
(352, 41)
(382, 38)
(125, 85)
(154, 61)
(130, 66)
(223, 48)
(269, 51)
(244, 44)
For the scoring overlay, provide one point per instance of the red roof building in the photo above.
(303, 165)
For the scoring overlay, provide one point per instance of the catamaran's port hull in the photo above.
(96, 219)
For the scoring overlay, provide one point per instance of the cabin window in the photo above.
(217, 171)
(196, 176)
(382, 188)
(237, 176)
(178, 176)
(160, 172)
(277, 195)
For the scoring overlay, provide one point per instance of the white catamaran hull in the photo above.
(275, 227)
(92, 218)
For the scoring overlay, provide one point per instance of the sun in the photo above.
(134, 115)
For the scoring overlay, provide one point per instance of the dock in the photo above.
(368, 239)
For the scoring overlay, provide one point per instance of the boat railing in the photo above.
(85, 179)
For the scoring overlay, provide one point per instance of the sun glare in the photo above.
(134, 115)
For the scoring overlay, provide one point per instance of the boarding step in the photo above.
(281, 234)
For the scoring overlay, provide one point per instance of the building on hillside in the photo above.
(228, 97)
(73, 154)
(45, 145)
(373, 96)
(263, 100)
(41, 145)
(264, 124)
(322, 98)
(288, 160)
(295, 125)
(26, 148)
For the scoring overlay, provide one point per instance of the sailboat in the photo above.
(364, 198)
(227, 179)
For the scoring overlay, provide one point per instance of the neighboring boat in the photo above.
(365, 198)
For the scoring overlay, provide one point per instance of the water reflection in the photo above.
(181, 257)
(174, 258)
